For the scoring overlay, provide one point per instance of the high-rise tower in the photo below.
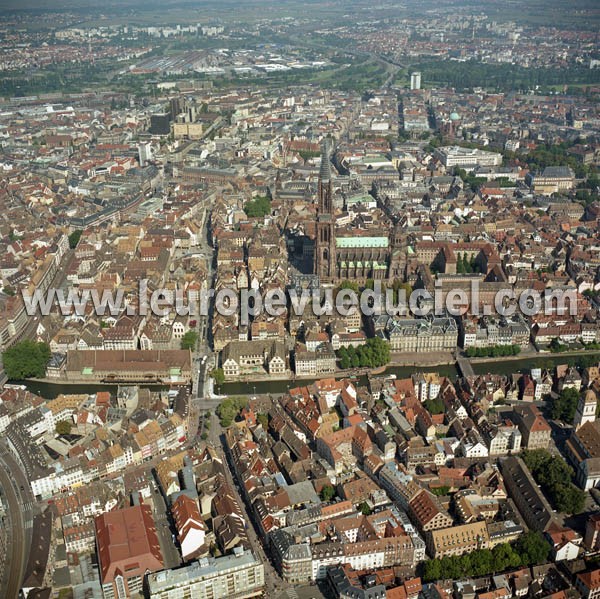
(415, 80)
(325, 255)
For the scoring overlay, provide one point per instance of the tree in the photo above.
(364, 509)
(263, 419)
(373, 354)
(568, 498)
(556, 480)
(435, 406)
(63, 427)
(504, 557)
(257, 208)
(345, 362)
(565, 405)
(308, 154)
(218, 375)
(532, 548)
(432, 570)
(26, 359)
(473, 265)
(229, 408)
(188, 341)
(467, 263)
(556, 346)
(327, 493)
(74, 238)
(481, 562)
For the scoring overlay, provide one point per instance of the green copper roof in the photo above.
(363, 198)
(361, 242)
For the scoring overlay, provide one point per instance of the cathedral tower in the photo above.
(325, 249)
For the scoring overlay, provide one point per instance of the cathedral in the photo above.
(357, 254)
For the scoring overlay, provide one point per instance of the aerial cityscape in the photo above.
(299, 300)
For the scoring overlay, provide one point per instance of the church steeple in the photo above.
(586, 409)
(325, 248)
(325, 181)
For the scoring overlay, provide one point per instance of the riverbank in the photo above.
(538, 356)
(52, 388)
(433, 362)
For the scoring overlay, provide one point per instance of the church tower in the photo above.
(586, 409)
(325, 252)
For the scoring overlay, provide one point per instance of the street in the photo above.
(273, 582)
(16, 490)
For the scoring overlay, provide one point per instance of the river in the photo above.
(51, 390)
(500, 366)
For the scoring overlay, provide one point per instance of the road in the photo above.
(203, 360)
(21, 505)
(273, 582)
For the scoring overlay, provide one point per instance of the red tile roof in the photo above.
(127, 543)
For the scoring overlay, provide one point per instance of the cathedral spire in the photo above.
(325, 249)
(325, 171)
(325, 181)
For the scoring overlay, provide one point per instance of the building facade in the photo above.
(238, 575)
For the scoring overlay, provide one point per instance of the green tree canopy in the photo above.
(555, 477)
(327, 493)
(373, 354)
(258, 207)
(74, 238)
(218, 375)
(63, 427)
(188, 341)
(364, 509)
(565, 405)
(229, 408)
(530, 549)
(353, 285)
(26, 359)
(435, 406)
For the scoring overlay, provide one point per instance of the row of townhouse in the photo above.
(153, 440)
(490, 332)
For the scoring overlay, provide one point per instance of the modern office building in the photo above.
(451, 156)
(160, 123)
(415, 80)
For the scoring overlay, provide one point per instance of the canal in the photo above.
(500, 366)
(52, 390)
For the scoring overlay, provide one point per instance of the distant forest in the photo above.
(503, 77)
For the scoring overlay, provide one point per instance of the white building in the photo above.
(191, 530)
(451, 156)
(237, 575)
(145, 152)
(415, 80)
(586, 409)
